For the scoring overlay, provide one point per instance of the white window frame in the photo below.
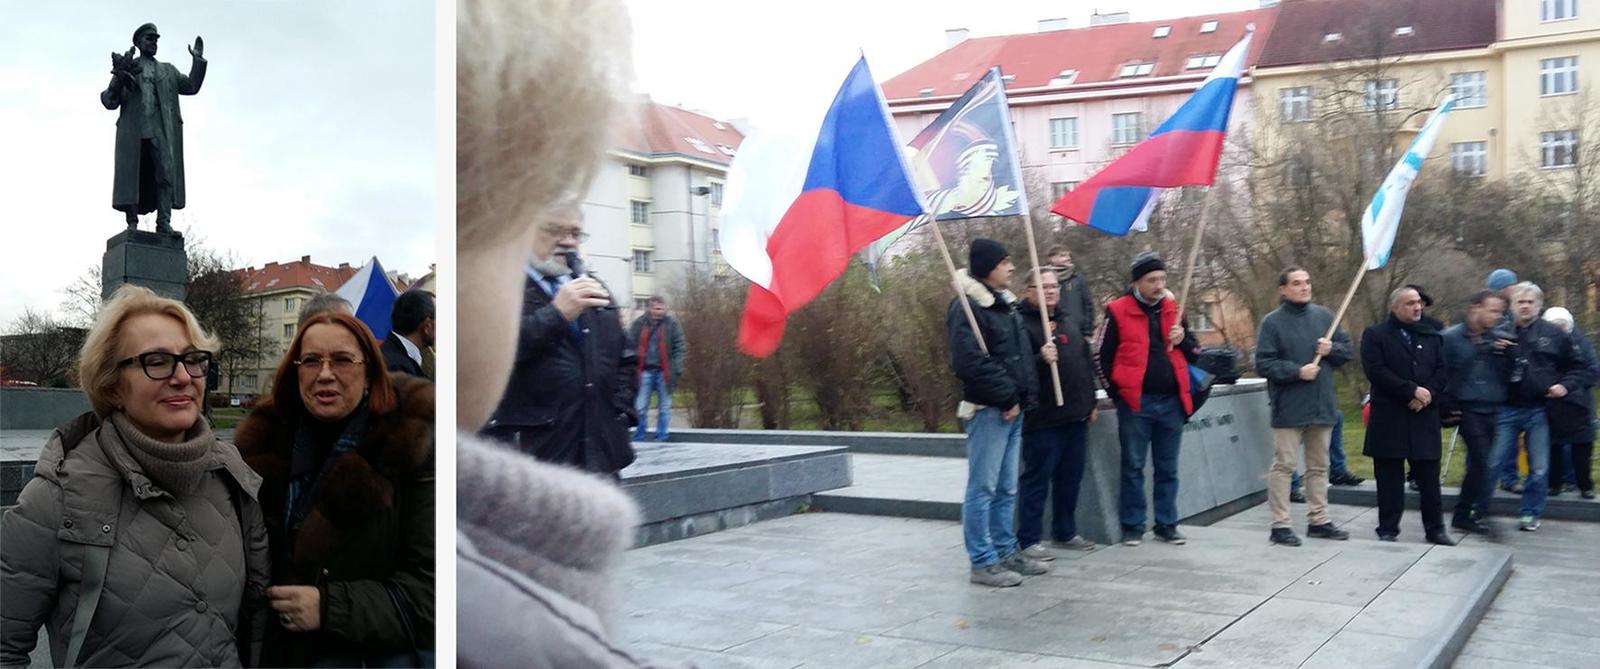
(1130, 70)
(643, 261)
(1209, 26)
(1294, 104)
(637, 170)
(638, 209)
(1405, 31)
(1161, 31)
(1558, 76)
(1203, 60)
(716, 193)
(1121, 134)
(1558, 10)
(1469, 159)
(1202, 317)
(1060, 188)
(1382, 94)
(288, 330)
(1064, 132)
(1470, 88)
(1557, 145)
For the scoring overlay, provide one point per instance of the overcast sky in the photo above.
(312, 135)
(732, 58)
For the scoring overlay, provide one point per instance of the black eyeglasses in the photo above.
(160, 365)
(341, 362)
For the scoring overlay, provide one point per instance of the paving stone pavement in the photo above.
(841, 590)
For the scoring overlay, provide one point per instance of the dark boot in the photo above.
(1327, 531)
(1284, 536)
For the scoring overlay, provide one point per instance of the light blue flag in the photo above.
(1381, 221)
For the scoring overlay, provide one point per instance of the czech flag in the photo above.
(804, 196)
(1184, 151)
(372, 296)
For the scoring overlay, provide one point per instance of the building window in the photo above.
(716, 193)
(1383, 94)
(288, 330)
(726, 150)
(638, 170)
(288, 305)
(1332, 37)
(1468, 87)
(1202, 317)
(641, 261)
(248, 381)
(1061, 188)
(1558, 76)
(1161, 31)
(1294, 104)
(1558, 149)
(1405, 31)
(1470, 159)
(699, 145)
(1558, 10)
(1203, 60)
(1064, 133)
(1137, 70)
(1209, 26)
(641, 304)
(641, 212)
(1125, 129)
(1065, 78)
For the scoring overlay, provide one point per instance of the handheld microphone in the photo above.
(576, 265)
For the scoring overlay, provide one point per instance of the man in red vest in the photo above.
(1145, 356)
(659, 345)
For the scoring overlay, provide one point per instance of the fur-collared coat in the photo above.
(1003, 377)
(372, 522)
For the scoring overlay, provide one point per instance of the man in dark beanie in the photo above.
(1145, 356)
(997, 385)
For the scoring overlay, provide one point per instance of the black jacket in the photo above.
(395, 358)
(675, 345)
(1005, 377)
(1075, 363)
(1544, 356)
(1396, 367)
(1572, 419)
(1077, 304)
(1287, 340)
(1477, 371)
(570, 398)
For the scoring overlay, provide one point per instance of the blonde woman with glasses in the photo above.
(139, 541)
(346, 451)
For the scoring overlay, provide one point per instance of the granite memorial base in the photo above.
(689, 489)
(154, 260)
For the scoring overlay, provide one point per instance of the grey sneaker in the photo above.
(996, 576)
(1171, 535)
(1038, 552)
(1528, 524)
(1076, 543)
(1021, 564)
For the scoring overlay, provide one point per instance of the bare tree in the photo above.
(709, 309)
(39, 349)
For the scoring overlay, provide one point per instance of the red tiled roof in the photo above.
(1097, 53)
(298, 274)
(1367, 27)
(665, 129)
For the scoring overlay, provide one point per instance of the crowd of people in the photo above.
(145, 540)
(1503, 379)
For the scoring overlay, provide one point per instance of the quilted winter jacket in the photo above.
(372, 522)
(185, 579)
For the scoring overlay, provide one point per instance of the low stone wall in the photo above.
(39, 408)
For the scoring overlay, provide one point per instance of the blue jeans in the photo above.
(1531, 421)
(1154, 432)
(651, 383)
(994, 446)
(1051, 458)
(1336, 462)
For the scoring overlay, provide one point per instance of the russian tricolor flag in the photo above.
(1184, 151)
(804, 196)
(372, 296)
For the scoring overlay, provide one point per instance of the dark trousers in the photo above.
(1391, 475)
(1477, 430)
(1052, 466)
(1582, 457)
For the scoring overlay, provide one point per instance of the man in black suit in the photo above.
(1403, 358)
(413, 330)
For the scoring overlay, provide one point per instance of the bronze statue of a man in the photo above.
(149, 158)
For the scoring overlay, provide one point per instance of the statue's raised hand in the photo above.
(198, 50)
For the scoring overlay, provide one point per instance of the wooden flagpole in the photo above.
(955, 282)
(1339, 316)
(1044, 318)
(1194, 254)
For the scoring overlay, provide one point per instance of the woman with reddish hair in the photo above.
(346, 454)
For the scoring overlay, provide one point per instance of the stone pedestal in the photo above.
(154, 260)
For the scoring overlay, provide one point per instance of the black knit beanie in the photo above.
(984, 256)
(1145, 263)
